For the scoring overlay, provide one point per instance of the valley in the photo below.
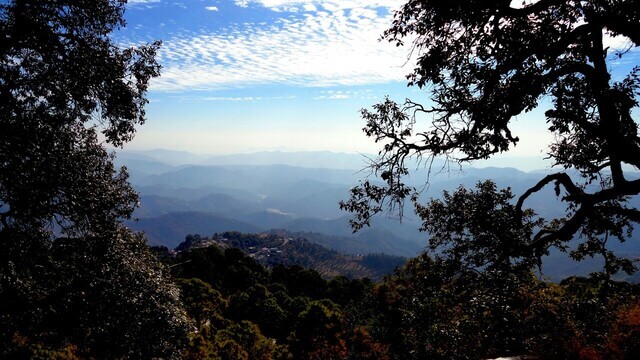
(183, 193)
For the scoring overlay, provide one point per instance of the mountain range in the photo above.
(184, 193)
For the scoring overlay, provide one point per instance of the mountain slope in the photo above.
(170, 229)
(284, 248)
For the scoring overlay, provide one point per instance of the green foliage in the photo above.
(449, 313)
(73, 280)
(344, 291)
(300, 281)
(318, 332)
(287, 314)
(475, 295)
(248, 338)
(261, 307)
(228, 270)
(480, 230)
(281, 248)
(431, 308)
(445, 313)
(201, 301)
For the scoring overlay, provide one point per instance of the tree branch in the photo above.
(532, 9)
(559, 178)
(564, 233)
(619, 25)
(631, 214)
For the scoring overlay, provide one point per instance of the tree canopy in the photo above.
(484, 63)
(431, 308)
(63, 81)
(70, 272)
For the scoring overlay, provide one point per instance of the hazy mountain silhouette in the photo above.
(183, 193)
(170, 229)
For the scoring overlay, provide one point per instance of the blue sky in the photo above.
(243, 76)
(247, 75)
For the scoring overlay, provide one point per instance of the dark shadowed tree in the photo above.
(467, 298)
(70, 273)
(486, 62)
(478, 230)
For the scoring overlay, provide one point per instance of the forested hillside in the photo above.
(426, 310)
(283, 248)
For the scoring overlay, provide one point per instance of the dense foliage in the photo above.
(280, 247)
(429, 309)
(73, 280)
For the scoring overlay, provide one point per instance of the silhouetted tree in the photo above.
(70, 273)
(485, 63)
(479, 258)
(480, 230)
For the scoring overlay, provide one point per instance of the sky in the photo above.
(240, 76)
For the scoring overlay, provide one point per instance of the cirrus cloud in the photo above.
(325, 44)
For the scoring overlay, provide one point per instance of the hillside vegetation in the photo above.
(284, 248)
(425, 310)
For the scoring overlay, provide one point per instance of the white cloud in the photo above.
(136, 2)
(309, 7)
(345, 94)
(142, 4)
(211, 8)
(244, 98)
(332, 97)
(617, 43)
(327, 4)
(322, 48)
(312, 5)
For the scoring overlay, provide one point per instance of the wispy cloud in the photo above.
(242, 3)
(345, 94)
(316, 44)
(244, 98)
(329, 5)
(211, 8)
(141, 2)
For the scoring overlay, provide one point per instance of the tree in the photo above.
(318, 332)
(486, 63)
(70, 273)
(250, 340)
(201, 301)
(469, 296)
(479, 231)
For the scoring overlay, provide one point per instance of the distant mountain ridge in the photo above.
(171, 229)
(309, 159)
(183, 193)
